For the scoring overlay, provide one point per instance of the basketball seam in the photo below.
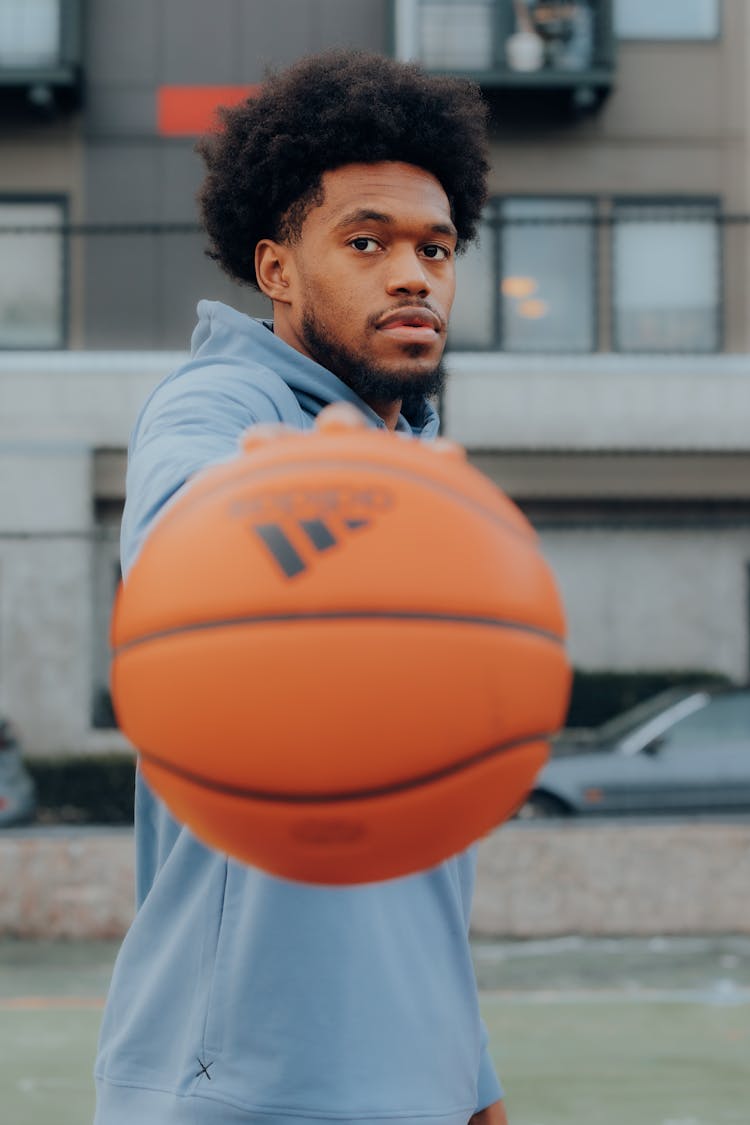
(526, 536)
(340, 797)
(341, 615)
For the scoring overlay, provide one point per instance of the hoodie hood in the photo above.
(222, 333)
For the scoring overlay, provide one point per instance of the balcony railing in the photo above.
(41, 51)
(549, 276)
(538, 46)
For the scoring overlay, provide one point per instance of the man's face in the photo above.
(372, 280)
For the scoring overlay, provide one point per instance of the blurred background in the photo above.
(598, 352)
(598, 372)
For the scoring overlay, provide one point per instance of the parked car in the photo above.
(17, 791)
(685, 750)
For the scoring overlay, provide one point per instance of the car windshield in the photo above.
(726, 719)
(627, 721)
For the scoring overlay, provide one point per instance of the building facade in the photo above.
(599, 366)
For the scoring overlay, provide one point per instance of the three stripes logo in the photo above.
(297, 527)
(317, 533)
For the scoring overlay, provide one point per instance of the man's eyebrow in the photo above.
(444, 228)
(366, 215)
(363, 215)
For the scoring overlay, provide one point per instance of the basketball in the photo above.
(340, 655)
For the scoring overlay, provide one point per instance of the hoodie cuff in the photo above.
(489, 1089)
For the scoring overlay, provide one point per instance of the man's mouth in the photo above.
(411, 324)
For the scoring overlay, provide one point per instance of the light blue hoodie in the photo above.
(242, 999)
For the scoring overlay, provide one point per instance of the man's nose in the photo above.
(407, 274)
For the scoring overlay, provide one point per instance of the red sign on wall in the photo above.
(184, 111)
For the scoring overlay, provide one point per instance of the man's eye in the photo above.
(365, 245)
(436, 253)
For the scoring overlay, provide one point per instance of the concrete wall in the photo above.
(55, 412)
(43, 158)
(636, 472)
(596, 403)
(609, 878)
(613, 878)
(45, 601)
(639, 598)
(644, 589)
(66, 884)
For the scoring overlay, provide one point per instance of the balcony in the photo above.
(546, 55)
(40, 54)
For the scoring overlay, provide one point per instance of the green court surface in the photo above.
(583, 1032)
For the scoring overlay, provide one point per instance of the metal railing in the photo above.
(550, 275)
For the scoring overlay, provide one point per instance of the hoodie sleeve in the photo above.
(489, 1088)
(191, 421)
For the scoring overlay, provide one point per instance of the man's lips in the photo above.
(410, 318)
(412, 324)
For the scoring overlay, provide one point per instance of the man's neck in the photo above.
(388, 411)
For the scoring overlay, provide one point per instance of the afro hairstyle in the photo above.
(342, 107)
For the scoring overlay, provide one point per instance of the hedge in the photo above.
(598, 696)
(84, 789)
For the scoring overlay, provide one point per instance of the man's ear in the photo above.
(273, 268)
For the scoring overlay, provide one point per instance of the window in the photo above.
(446, 34)
(724, 719)
(106, 577)
(666, 277)
(504, 37)
(547, 280)
(667, 19)
(30, 33)
(529, 286)
(473, 323)
(32, 274)
(532, 283)
(455, 36)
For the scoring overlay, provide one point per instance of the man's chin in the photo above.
(410, 374)
(383, 384)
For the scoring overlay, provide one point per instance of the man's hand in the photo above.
(493, 1115)
(335, 418)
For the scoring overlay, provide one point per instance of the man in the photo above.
(343, 193)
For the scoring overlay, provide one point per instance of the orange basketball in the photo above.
(340, 655)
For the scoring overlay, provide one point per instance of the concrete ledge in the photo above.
(610, 402)
(614, 878)
(66, 883)
(534, 880)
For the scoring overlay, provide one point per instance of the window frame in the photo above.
(63, 319)
(492, 228)
(716, 702)
(106, 577)
(672, 39)
(493, 222)
(595, 277)
(675, 202)
(405, 36)
(403, 30)
(65, 72)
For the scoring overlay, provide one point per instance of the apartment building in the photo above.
(598, 362)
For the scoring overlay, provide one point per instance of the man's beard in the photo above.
(370, 382)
